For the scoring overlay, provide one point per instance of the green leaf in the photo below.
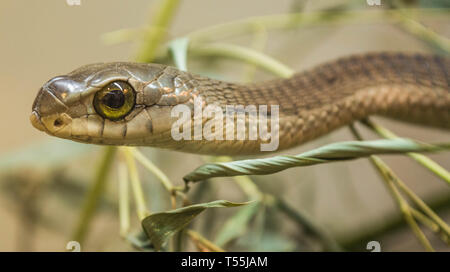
(159, 227)
(179, 49)
(236, 225)
(329, 153)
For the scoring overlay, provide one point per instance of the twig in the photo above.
(422, 159)
(91, 200)
(242, 53)
(420, 31)
(135, 184)
(259, 42)
(154, 37)
(153, 169)
(202, 242)
(424, 207)
(388, 177)
(124, 203)
(429, 164)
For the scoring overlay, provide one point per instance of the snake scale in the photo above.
(124, 103)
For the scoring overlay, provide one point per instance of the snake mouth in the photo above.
(36, 121)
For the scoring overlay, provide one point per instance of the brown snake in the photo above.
(130, 103)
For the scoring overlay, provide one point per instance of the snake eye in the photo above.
(115, 100)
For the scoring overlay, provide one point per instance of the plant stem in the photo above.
(242, 53)
(424, 207)
(420, 31)
(235, 28)
(402, 186)
(91, 200)
(135, 184)
(124, 202)
(202, 242)
(422, 159)
(155, 35)
(258, 43)
(378, 227)
(301, 19)
(388, 177)
(153, 169)
(295, 20)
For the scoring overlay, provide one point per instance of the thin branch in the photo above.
(124, 202)
(421, 159)
(388, 177)
(153, 169)
(135, 184)
(158, 28)
(242, 53)
(92, 197)
(203, 243)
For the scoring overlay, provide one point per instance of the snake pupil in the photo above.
(114, 99)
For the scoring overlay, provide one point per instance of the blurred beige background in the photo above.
(42, 39)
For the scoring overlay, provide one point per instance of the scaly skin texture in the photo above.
(409, 87)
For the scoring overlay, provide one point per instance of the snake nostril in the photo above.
(58, 122)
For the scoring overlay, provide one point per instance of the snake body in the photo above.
(409, 87)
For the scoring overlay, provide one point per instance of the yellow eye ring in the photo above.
(115, 100)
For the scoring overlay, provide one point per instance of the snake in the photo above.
(128, 103)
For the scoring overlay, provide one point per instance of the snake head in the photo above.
(111, 103)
